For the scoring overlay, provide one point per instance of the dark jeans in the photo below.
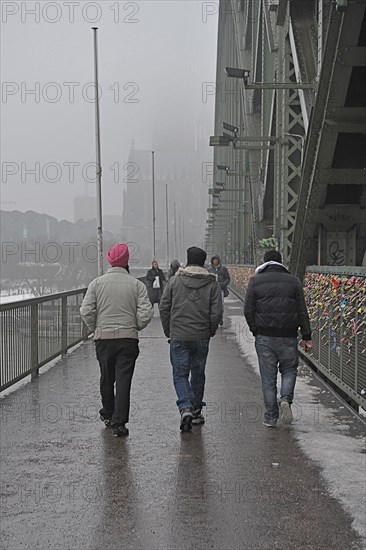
(189, 358)
(277, 354)
(117, 360)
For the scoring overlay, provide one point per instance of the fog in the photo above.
(154, 57)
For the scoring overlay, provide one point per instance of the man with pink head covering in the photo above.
(115, 307)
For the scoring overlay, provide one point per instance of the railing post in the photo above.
(64, 325)
(328, 340)
(34, 340)
(341, 346)
(356, 349)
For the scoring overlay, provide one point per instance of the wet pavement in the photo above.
(229, 484)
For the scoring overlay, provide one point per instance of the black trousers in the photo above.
(155, 295)
(117, 360)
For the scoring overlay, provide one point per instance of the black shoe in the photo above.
(119, 431)
(106, 421)
(186, 420)
(198, 417)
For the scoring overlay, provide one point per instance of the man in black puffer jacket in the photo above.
(275, 309)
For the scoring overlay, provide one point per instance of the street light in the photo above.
(232, 72)
(243, 74)
(341, 5)
(230, 172)
(221, 141)
(230, 128)
(225, 140)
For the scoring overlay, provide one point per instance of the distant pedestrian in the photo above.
(275, 309)
(155, 280)
(190, 311)
(223, 277)
(174, 266)
(116, 306)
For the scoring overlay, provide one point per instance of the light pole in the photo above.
(167, 225)
(153, 203)
(98, 158)
(175, 230)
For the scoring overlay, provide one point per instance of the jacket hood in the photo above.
(175, 263)
(195, 276)
(216, 257)
(267, 265)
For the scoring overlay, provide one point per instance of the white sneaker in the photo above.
(198, 417)
(285, 412)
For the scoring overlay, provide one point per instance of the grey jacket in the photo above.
(116, 305)
(191, 305)
(222, 275)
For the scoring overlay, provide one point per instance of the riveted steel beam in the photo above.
(344, 176)
(281, 86)
(336, 216)
(352, 56)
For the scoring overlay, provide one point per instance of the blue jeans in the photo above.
(276, 354)
(189, 358)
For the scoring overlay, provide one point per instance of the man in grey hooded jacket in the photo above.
(190, 312)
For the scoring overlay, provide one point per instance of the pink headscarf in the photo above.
(118, 255)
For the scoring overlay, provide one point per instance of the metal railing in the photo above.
(36, 331)
(336, 299)
(240, 275)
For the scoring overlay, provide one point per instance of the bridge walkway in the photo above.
(231, 483)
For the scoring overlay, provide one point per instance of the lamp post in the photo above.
(98, 158)
(175, 230)
(153, 203)
(167, 225)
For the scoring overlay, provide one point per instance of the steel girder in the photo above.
(290, 155)
(330, 119)
(287, 44)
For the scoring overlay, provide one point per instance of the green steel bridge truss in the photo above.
(305, 89)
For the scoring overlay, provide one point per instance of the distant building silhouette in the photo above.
(84, 208)
(182, 171)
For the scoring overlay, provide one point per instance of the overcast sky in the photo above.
(153, 56)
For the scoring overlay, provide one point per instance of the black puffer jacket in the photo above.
(275, 304)
(191, 306)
